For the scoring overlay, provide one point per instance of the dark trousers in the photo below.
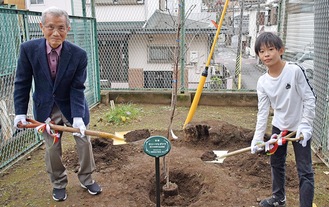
(303, 158)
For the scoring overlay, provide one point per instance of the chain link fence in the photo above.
(304, 32)
(137, 41)
(17, 26)
(319, 66)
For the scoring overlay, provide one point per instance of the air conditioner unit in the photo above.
(140, 1)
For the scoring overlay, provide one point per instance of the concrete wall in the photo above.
(243, 99)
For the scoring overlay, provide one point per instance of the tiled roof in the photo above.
(159, 22)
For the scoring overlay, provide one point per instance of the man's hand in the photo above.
(20, 118)
(254, 146)
(78, 123)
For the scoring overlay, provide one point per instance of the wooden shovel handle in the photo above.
(287, 137)
(34, 124)
(87, 132)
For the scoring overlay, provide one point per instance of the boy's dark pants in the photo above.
(303, 157)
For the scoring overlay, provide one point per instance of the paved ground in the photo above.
(249, 69)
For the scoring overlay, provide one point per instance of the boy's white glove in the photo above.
(306, 132)
(254, 147)
(272, 140)
(78, 123)
(20, 118)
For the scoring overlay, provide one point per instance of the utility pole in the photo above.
(258, 16)
(239, 50)
(257, 25)
(182, 44)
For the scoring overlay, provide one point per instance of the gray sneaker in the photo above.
(273, 202)
(93, 189)
(59, 194)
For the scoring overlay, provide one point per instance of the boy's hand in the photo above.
(306, 132)
(306, 137)
(273, 140)
(254, 147)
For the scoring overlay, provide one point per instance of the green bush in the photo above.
(122, 114)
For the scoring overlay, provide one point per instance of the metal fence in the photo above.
(17, 26)
(321, 79)
(137, 40)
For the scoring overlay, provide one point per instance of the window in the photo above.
(274, 16)
(161, 54)
(261, 18)
(37, 2)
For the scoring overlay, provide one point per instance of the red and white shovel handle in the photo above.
(287, 138)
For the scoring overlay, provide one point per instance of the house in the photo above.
(293, 21)
(73, 7)
(258, 16)
(299, 24)
(18, 4)
(137, 42)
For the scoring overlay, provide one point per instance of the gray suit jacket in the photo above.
(67, 91)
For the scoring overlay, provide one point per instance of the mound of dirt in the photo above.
(240, 179)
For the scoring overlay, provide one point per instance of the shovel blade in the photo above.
(219, 154)
(119, 142)
(119, 138)
(121, 134)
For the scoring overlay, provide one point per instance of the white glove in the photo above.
(254, 147)
(270, 143)
(306, 131)
(78, 123)
(20, 118)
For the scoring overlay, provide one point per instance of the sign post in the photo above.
(157, 146)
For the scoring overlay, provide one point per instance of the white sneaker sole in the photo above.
(90, 192)
(55, 199)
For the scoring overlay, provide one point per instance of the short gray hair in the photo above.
(57, 12)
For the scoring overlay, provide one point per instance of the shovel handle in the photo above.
(87, 132)
(34, 124)
(287, 137)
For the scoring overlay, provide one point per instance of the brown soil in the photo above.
(128, 175)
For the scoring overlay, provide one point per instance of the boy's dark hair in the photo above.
(268, 39)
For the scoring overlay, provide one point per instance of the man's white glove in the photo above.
(78, 123)
(306, 132)
(20, 118)
(254, 146)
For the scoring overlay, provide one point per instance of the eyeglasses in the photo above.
(52, 28)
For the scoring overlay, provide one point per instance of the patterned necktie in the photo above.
(53, 60)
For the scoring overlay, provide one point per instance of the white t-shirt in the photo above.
(291, 97)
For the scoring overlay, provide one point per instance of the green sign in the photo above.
(156, 146)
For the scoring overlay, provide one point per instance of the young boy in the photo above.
(286, 89)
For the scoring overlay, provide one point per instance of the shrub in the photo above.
(122, 114)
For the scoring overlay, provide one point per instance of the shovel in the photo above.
(117, 138)
(221, 155)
